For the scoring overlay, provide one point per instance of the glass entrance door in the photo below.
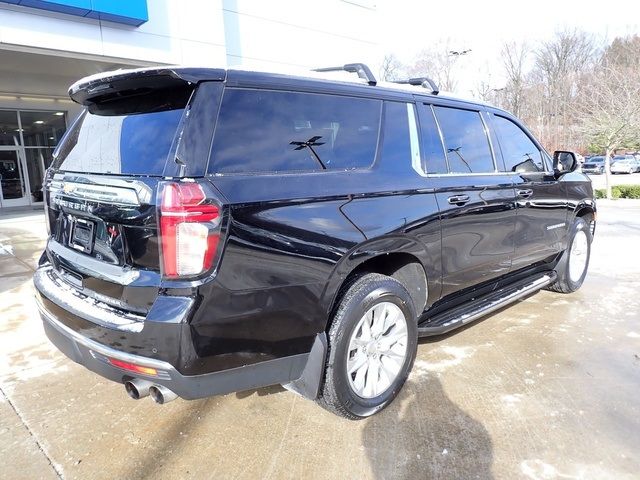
(12, 179)
(27, 140)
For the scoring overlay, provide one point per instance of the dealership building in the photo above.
(46, 45)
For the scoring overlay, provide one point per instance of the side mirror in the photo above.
(564, 162)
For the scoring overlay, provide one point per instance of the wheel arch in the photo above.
(397, 257)
(587, 211)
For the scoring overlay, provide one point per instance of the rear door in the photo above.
(476, 201)
(541, 199)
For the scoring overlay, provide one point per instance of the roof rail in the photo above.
(424, 82)
(361, 69)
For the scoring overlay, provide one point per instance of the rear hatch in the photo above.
(136, 142)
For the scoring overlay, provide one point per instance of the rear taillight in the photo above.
(189, 229)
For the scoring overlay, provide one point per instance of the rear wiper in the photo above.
(312, 142)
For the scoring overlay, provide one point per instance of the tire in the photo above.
(572, 274)
(350, 395)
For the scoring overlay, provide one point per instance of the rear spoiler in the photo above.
(110, 85)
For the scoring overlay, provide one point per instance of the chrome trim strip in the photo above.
(100, 193)
(557, 225)
(416, 161)
(92, 267)
(479, 174)
(102, 349)
(71, 299)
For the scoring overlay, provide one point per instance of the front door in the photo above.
(13, 187)
(541, 200)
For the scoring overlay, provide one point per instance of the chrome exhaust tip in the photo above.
(137, 388)
(161, 395)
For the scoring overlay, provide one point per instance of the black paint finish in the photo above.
(290, 240)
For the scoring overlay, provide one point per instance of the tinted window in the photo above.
(128, 144)
(465, 140)
(267, 131)
(396, 145)
(431, 146)
(520, 154)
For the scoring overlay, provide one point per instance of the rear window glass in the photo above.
(465, 140)
(270, 131)
(396, 146)
(119, 144)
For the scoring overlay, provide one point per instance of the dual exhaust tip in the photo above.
(138, 388)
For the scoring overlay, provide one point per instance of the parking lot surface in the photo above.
(547, 388)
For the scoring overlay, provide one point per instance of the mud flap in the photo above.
(308, 385)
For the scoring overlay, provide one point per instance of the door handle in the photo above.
(525, 193)
(458, 200)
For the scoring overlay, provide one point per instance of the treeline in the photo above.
(575, 92)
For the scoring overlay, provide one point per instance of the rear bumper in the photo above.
(84, 330)
(95, 357)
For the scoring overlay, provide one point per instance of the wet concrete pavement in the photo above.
(547, 388)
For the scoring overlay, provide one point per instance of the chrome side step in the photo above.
(481, 306)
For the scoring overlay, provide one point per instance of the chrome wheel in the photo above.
(578, 256)
(377, 350)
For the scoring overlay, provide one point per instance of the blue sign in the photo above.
(129, 12)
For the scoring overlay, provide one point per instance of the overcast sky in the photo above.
(482, 26)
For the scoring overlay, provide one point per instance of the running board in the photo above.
(481, 306)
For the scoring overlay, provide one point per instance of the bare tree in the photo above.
(568, 52)
(623, 52)
(483, 91)
(560, 66)
(439, 63)
(391, 68)
(514, 60)
(609, 114)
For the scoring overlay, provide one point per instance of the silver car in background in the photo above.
(625, 164)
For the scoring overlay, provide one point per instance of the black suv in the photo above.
(215, 230)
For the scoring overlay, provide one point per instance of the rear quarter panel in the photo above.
(292, 240)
